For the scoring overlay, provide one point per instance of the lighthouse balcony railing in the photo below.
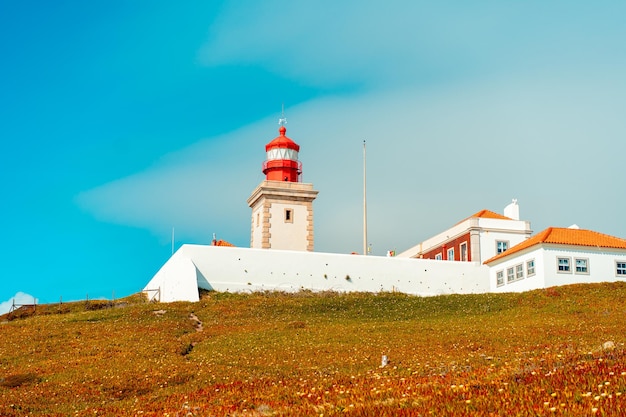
(282, 163)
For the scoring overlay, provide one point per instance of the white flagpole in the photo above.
(364, 202)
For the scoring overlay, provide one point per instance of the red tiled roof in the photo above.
(223, 243)
(486, 214)
(566, 236)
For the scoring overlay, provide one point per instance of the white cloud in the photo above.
(324, 42)
(433, 158)
(192, 190)
(406, 41)
(465, 108)
(18, 298)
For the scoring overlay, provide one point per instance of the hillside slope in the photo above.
(555, 351)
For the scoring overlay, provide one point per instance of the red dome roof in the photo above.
(282, 141)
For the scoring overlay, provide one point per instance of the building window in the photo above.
(288, 216)
(257, 219)
(500, 278)
(564, 265)
(510, 274)
(582, 266)
(501, 246)
(451, 254)
(530, 268)
(519, 271)
(463, 250)
(620, 268)
(438, 257)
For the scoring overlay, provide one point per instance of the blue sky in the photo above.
(122, 120)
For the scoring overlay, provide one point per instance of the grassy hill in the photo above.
(558, 351)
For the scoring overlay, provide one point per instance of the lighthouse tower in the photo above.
(282, 206)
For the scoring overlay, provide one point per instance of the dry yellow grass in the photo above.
(539, 353)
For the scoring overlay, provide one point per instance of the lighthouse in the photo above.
(282, 205)
(282, 159)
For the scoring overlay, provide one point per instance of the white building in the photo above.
(558, 256)
(476, 238)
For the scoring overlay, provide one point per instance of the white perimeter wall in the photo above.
(246, 269)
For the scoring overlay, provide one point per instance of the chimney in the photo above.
(512, 210)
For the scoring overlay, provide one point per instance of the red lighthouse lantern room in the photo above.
(282, 159)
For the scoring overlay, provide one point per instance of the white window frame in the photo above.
(505, 244)
(510, 274)
(530, 267)
(519, 272)
(448, 252)
(500, 278)
(569, 265)
(463, 252)
(620, 268)
(586, 271)
(439, 257)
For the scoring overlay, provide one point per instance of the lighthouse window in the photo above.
(282, 153)
(288, 216)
